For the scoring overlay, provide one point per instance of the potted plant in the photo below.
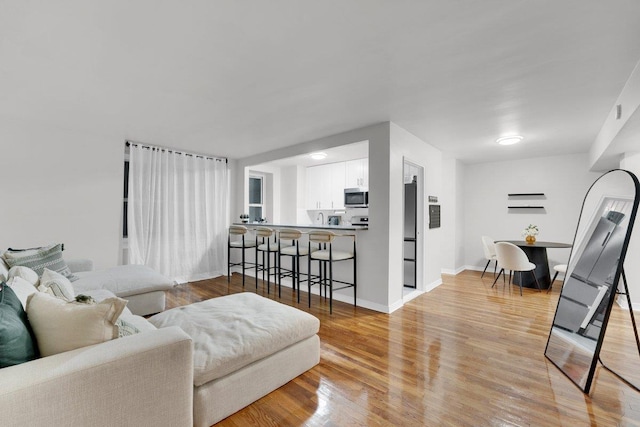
(244, 218)
(530, 233)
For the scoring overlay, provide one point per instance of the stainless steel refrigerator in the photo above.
(410, 235)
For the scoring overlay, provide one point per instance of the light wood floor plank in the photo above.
(464, 354)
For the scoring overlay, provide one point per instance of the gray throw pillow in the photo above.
(17, 342)
(40, 258)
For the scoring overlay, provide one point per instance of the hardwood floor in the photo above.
(463, 354)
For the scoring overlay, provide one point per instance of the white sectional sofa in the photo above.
(191, 365)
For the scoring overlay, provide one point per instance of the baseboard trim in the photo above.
(431, 286)
(621, 300)
(453, 272)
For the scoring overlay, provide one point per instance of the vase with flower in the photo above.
(530, 233)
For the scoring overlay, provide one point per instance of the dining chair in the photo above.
(560, 268)
(489, 249)
(513, 258)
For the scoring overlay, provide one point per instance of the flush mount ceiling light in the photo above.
(509, 140)
(318, 155)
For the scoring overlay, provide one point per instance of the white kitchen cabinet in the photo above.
(336, 188)
(317, 190)
(357, 173)
(325, 186)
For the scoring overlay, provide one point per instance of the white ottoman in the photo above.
(245, 346)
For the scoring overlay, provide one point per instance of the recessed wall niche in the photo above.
(526, 203)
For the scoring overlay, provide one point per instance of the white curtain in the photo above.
(178, 213)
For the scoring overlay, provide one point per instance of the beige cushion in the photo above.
(56, 284)
(271, 247)
(25, 273)
(233, 331)
(247, 243)
(291, 250)
(335, 256)
(61, 326)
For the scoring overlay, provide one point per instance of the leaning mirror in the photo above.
(594, 269)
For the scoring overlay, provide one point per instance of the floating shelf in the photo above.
(525, 207)
(524, 194)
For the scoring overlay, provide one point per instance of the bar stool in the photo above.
(242, 244)
(295, 252)
(326, 256)
(267, 247)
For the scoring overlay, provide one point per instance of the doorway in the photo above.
(413, 206)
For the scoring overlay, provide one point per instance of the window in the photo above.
(256, 191)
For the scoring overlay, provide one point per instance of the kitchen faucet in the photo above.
(320, 215)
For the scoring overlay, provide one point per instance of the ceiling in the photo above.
(236, 78)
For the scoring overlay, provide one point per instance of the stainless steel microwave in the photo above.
(356, 198)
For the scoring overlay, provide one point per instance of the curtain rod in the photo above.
(168, 150)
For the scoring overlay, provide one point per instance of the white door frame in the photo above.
(420, 232)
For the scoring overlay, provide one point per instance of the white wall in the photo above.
(452, 202)
(288, 194)
(564, 180)
(631, 162)
(61, 186)
(460, 216)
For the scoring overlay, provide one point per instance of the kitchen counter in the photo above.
(306, 226)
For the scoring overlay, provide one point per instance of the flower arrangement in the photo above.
(244, 218)
(531, 230)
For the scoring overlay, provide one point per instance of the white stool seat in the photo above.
(291, 250)
(335, 255)
(270, 247)
(238, 244)
(560, 268)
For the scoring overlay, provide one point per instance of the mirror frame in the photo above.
(614, 286)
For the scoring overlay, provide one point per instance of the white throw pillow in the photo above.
(62, 326)
(56, 284)
(22, 289)
(24, 272)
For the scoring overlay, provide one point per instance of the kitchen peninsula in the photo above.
(253, 225)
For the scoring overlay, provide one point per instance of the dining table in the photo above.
(537, 254)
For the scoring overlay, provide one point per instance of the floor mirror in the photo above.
(593, 273)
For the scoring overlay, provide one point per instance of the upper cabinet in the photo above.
(325, 186)
(326, 183)
(357, 173)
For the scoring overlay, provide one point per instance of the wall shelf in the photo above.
(525, 207)
(525, 194)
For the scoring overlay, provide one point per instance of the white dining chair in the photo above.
(513, 258)
(560, 268)
(489, 249)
